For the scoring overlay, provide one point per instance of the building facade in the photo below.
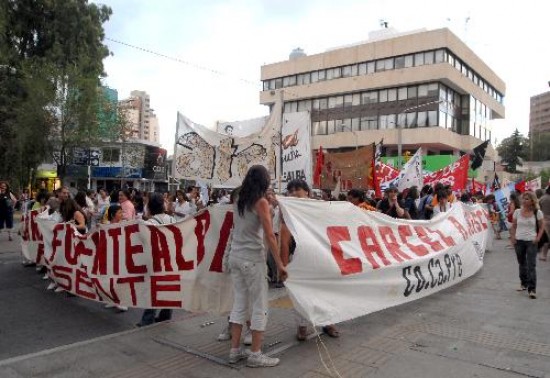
(539, 115)
(141, 117)
(419, 89)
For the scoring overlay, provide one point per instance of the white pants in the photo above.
(250, 291)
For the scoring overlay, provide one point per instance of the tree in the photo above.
(512, 150)
(48, 101)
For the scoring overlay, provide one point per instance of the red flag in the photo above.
(455, 174)
(520, 186)
(319, 163)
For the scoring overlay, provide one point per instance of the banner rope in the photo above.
(320, 342)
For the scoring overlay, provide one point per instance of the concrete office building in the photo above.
(428, 84)
(539, 115)
(141, 117)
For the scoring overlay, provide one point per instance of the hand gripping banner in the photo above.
(350, 262)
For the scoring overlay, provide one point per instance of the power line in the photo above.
(178, 60)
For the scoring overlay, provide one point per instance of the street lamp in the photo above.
(400, 130)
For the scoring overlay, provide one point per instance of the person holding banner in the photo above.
(156, 217)
(392, 206)
(299, 188)
(247, 262)
(527, 229)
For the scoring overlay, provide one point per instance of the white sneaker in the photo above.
(240, 354)
(226, 334)
(248, 337)
(51, 286)
(59, 289)
(46, 277)
(122, 308)
(109, 305)
(261, 360)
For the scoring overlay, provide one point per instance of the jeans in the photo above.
(526, 252)
(149, 314)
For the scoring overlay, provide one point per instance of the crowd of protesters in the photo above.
(259, 227)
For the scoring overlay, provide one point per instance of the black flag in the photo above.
(479, 154)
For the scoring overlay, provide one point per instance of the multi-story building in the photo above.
(418, 89)
(539, 116)
(141, 117)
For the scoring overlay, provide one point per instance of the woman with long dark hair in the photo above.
(247, 262)
(71, 212)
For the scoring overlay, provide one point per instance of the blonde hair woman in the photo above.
(526, 232)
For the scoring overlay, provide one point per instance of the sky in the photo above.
(222, 44)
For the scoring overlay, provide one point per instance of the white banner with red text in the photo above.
(350, 262)
(147, 266)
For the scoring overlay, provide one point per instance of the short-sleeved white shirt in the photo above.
(526, 227)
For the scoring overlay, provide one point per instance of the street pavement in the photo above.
(481, 327)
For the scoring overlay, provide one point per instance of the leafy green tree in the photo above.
(512, 150)
(54, 52)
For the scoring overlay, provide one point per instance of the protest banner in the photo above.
(134, 264)
(455, 174)
(32, 246)
(349, 262)
(296, 147)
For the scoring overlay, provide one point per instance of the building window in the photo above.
(402, 93)
(423, 90)
(331, 127)
(322, 75)
(303, 78)
(346, 71)
(323, 103)
(419, 59)
(399, 62)
(409, 61)
(348, 100)
(411, 120)
(110, 155)
(422, 119)
(384, 65)
(412, 92)
(304, 105)
(383, 95)
(440, 56)
(432, 118)
(370, 67)
(278, 83)
(433, 90)
(355, 124)
(370, 97)
(315, 76)
(369, 123)
(429, 57)
(392, 94)
(362, 68)
(356, 99)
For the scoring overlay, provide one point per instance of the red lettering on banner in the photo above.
(62, 276)
(446, 239)
(459, 227)
(25, 233)
(35, 232)
(160, 251)
(225, 231)
(337, 234)
(82, 280)
(200, 232)
(132, 249)
(132, 282)
(40, 253)
(55, 241)
(115, 233)
(158, 286)
(482, 219)
(423, 235)
(391, 243)
(82, 250)
(100, 258)
(112, 295)
(178, 240)
(369, 249)
(71, 259)
(405, 231)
